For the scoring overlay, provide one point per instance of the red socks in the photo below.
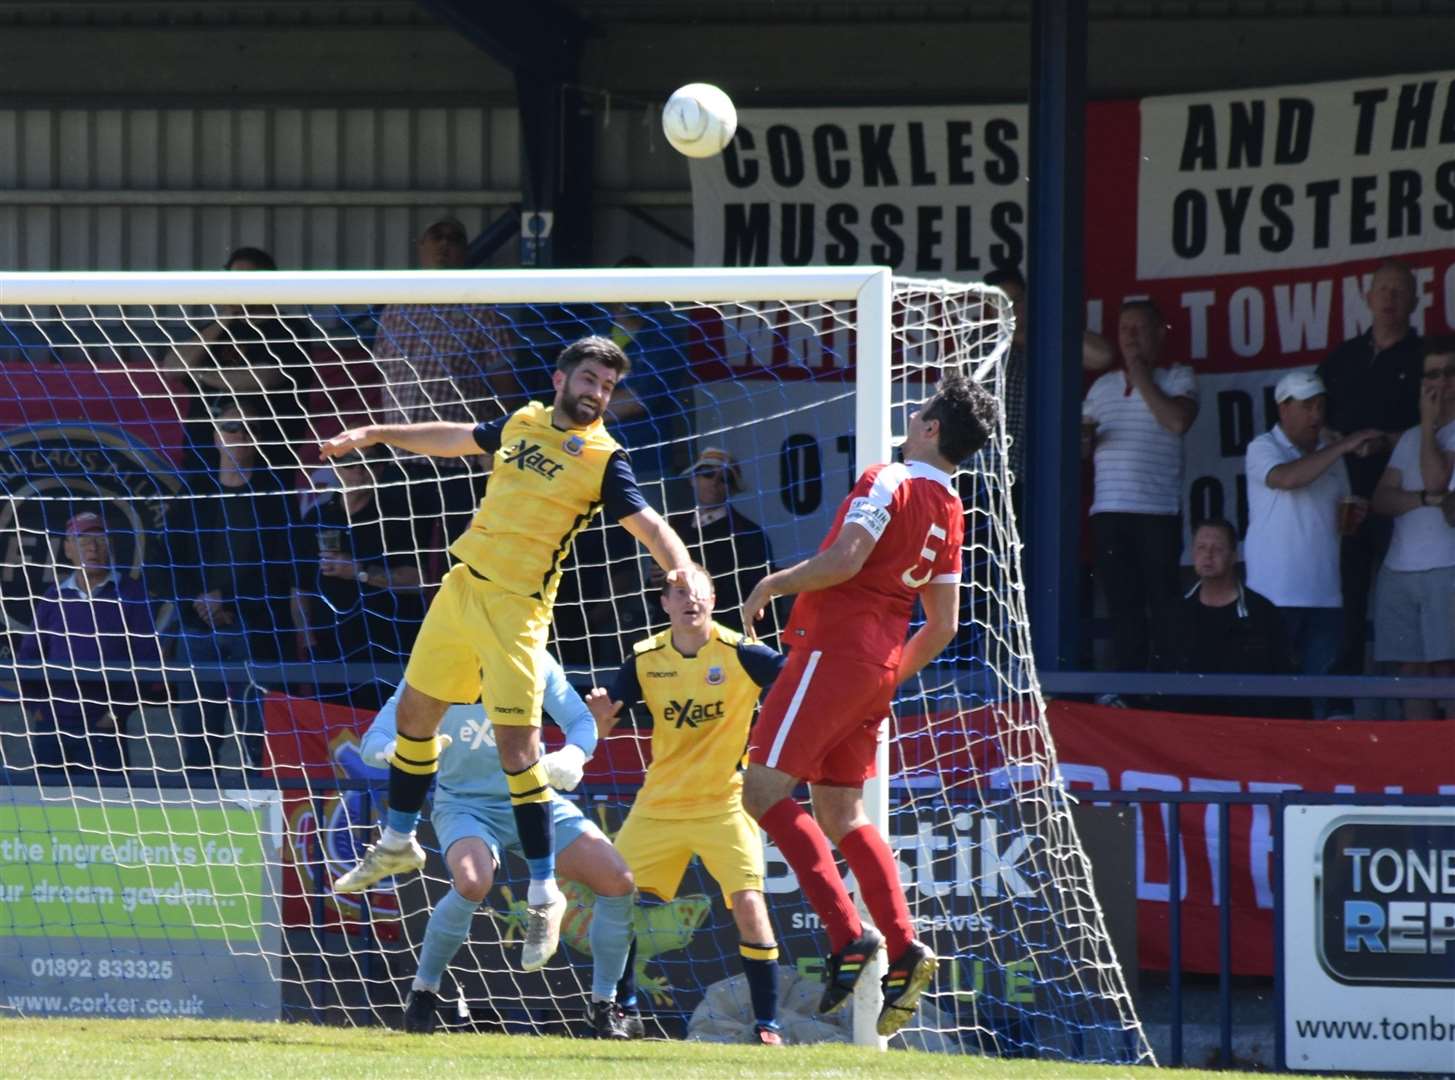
(806, 848)
(875, 871)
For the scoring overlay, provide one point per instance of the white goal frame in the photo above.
(869, 287)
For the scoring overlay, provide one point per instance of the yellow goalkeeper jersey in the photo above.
(702, 708)
(546, 486)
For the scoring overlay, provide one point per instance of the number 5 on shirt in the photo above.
(927, 556)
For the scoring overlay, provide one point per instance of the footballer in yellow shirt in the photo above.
(700, 682)
(553, 469)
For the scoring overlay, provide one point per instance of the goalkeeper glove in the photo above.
(565, 767)
(383, 756)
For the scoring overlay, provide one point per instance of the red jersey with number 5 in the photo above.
(915, 515)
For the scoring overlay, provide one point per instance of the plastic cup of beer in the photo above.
(1352, 512)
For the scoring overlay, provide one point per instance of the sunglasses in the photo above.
(1447, 372)
(716, 474)
(231, 427)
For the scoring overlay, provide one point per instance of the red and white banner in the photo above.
(1098, 749)
(1254, 218)
(1134, 750)
(1137, 750)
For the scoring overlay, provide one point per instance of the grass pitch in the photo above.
(220, 1048)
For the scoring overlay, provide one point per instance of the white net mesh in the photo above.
(201, 619)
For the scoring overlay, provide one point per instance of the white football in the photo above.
(699, 120)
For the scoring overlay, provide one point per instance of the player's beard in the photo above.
(578, 409)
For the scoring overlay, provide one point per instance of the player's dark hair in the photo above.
(1006, 275)
(1439, 345)
(1147, 304)
(666, 588)
(255, 255)
(1223, 525)
(602, 350)
(967, 414)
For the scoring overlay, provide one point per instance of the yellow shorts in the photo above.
(479, 641)
(658, 850)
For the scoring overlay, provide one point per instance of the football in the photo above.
(699, 120)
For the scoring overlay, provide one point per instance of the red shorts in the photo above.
(821, 720)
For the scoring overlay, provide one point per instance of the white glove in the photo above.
(565, 767)
(383, 756)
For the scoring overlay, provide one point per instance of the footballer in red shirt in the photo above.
(896, 540)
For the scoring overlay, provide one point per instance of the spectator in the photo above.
(444, 362)
(359, 574)
(734, 548)
(1297, 492)
(601, 604)
(234, 557)
(253, 355)
(1414, 598)
(1219, 627)
(1134, 421)
(1373, 382)
(94, 618)
(1096, 356)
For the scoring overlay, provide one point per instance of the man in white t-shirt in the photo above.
(1139, 414)
(1414, 595)
(1296, 483)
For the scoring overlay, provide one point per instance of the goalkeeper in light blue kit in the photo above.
(474, 824)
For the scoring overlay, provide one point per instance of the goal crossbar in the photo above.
(627, 285)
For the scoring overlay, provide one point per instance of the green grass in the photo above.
(182, 1049)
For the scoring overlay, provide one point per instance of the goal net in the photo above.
(201, 617)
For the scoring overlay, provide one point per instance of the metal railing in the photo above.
(1224, 801)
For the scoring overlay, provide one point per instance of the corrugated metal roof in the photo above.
(179, 188)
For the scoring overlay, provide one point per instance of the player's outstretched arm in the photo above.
(565, 767)
(835, 564)
(606, 705)
(606, 711)
(438, 438)
(667, 548)
(941, 602)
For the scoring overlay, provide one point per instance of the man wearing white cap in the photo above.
(1297, 484)
(733, 547)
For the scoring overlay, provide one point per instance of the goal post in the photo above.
(255, 605)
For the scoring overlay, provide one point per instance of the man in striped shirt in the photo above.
(1134, 419)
